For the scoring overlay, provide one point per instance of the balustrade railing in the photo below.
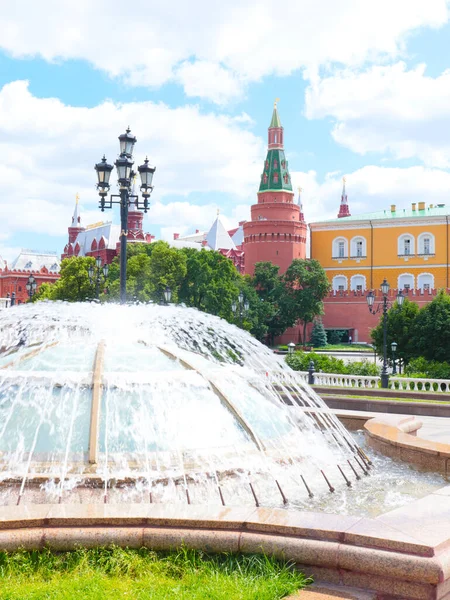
(407, 384)
(350, 381)
(419, 384)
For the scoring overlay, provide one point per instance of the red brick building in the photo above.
(44, 266)
(103, 238)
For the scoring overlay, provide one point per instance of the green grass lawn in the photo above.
(111, 573)
(387, 398)
(346, 347)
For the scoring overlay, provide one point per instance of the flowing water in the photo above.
(190, 409)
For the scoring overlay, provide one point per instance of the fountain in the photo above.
(160, 425)
(157, 403)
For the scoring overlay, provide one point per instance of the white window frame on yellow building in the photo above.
(335, 248)
(401, 246)
(421, 245)
(361, 279)
(421, 284)
(336, 286)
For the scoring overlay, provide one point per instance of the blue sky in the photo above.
(364, 92)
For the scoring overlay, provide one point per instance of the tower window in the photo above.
(275, 177)
(275, 138)
(275, 164)
(265, 178)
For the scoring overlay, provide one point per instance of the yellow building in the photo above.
(407, 246)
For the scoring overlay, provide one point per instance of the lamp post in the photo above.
(31, 286)
(125, 174)
(394, 350)
(167, 294)
(241, 307)
(383, 305)
(291, 347)
(13, 299)
(95, 275)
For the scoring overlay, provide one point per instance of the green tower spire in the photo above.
(275, 176)
(275, 122)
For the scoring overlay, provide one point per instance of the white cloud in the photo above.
(50, 149)
(240, 40)
(209, 80)
(370, 189)
(387, 109)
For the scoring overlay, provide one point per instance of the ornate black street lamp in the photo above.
(97, 273)
(291, 347)
(241, 307)
(384, 305)
(394, 364)
(125, 175)
(31, 286)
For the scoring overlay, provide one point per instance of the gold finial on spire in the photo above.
(344, 179)
(77, 197)
(300, 189)
(276, 102)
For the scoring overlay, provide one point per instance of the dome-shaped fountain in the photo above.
(160, 404)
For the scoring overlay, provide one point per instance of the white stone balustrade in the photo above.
(350, 381)
(419, 384)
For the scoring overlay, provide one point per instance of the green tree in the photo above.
(73, 284)
(401, 323)
(318, 334)
(211, 282)
(167, 267)
(307, 285)
(273, 312)
(431, 331)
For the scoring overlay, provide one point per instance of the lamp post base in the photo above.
(385, 380)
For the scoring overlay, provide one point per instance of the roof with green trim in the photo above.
(441, 210)
(275, 176)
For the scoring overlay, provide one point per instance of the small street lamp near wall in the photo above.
(167, 294)
(125, 177)
(291, 347)
(394, 364)
(384, 305)
(12, 299)
(31, 286)
(240, 308)
(97, 273)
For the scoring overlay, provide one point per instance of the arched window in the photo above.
(358, 247)
(275, 177)
(275, 164)
(358, 283)
(425, 244)
(425, 281)
(406, 245)
(340, 248)
(406, 281)
(340, 283)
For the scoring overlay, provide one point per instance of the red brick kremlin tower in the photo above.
(277, 230)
